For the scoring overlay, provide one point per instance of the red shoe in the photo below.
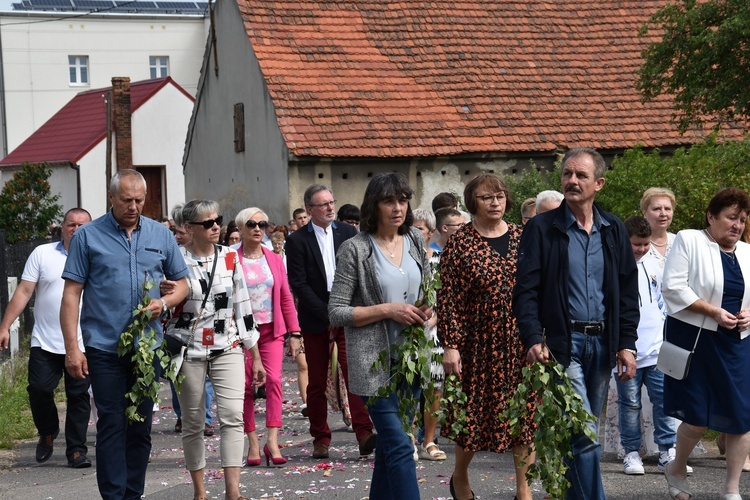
(270, 458)
(253, 462)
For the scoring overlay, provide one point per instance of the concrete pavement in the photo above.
(345, 475)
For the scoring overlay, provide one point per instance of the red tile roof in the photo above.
(79, 125)
(409, 78)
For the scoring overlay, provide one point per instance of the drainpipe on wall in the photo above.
(77, 168)
(108, 159)
(3, 114)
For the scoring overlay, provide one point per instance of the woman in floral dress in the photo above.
(478, 331)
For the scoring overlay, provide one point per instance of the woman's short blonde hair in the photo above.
(247, 214)
(656, 192)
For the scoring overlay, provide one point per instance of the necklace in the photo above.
(258, 254)
(660, 245)
(390, 250)
(728, 253)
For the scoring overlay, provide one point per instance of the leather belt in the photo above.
(587, 327)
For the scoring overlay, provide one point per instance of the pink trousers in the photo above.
(272, 356)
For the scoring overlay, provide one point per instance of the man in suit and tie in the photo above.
(311, 261)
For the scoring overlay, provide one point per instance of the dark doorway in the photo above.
(154, 207)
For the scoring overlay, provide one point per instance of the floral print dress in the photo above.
(475, 317)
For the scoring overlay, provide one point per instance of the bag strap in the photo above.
(205, 297)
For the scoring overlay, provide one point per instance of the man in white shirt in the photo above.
(311, 265)
(43, 274)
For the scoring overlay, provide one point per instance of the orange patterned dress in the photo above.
(475, 317)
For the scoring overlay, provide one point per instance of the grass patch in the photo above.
(15, 416)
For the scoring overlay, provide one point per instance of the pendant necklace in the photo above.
(390, 250)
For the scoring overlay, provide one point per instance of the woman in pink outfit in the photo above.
(275, 315)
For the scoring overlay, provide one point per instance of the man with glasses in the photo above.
(110, 258)
(576, 301)
(447, 222)
(311, 265)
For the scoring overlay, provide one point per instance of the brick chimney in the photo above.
(121, 122)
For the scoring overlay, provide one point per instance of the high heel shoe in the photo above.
(453, 491)
(270, 458)
(253, 462)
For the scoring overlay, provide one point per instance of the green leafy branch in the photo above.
(455, 398)
(559, 415)
(140, 339)
(409, 361)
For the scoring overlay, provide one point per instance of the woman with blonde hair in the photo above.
(275, 314)
(657, 206)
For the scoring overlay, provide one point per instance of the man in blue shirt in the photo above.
(576, 300)
(109, 259)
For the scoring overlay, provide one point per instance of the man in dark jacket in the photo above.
(311, 264)
(576, 300)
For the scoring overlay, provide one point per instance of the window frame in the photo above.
(155, 66)
(79, 63)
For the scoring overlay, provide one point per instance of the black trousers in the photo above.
(45, 371)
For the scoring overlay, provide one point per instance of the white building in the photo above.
(50, 50)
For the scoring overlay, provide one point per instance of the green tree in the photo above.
(27, 207)
(694, 174)
(528, 184)
(703, 60)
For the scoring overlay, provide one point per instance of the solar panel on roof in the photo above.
(94, 4)
(137, 5)
(176, 5)
(49, 3)
(202, 5)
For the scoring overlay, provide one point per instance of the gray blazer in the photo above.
(354, 285)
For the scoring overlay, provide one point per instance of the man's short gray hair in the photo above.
(549, 195)
(116, 181)
(600, 165)
(312, 191)
(425, 216)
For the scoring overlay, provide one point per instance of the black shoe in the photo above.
(260, 392)
(44, 446)
(367, 444)
(79, 461)
(178, 426)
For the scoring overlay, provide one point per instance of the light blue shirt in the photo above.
(399, 284)
(112, 268)
(586, 266)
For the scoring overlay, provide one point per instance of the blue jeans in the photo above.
(125, 447)
(629, 408)
(589, 372)
(209, 401)
(394, 476)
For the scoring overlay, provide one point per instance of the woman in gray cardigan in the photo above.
(378, 278)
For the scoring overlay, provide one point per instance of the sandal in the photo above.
(435, 454)
(676, 486)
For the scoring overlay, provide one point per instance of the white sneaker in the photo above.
(667, 456)
(633, 465)
(416, 453)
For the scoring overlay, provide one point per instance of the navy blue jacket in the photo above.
(540, 297)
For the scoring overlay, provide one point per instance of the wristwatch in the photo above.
(631, 351)
(164, 306)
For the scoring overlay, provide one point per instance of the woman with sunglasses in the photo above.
(214, 321)
(275, 314)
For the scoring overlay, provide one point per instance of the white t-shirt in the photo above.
(44, 267)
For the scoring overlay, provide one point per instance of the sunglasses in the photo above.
(208, 224)
(252, 224)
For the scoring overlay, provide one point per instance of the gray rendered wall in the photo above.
(257, 177)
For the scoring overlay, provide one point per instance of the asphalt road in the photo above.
(345, 475)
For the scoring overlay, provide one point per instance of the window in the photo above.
(239, 127)
(159, 66)
(79, 70)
